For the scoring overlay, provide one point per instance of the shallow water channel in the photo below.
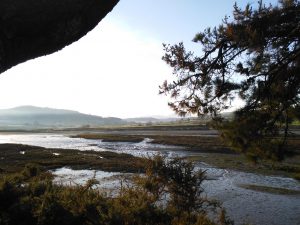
(242, 205)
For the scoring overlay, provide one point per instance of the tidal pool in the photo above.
(242, 205)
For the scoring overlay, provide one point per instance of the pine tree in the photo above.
(254, 56)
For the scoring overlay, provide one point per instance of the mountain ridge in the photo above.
(44, 117)
(35, 109)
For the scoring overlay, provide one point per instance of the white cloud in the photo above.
(110, 72)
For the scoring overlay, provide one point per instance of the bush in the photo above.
(169, 193)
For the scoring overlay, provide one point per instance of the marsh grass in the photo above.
(199, 143)
(111, 137)
(289, 167)
(211, 150)
(270, 190)
(14, 157)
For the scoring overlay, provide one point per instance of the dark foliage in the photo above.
(169, 193)
(256, 56)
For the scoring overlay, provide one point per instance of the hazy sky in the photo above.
(116, 69)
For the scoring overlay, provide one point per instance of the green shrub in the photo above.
(168, 193)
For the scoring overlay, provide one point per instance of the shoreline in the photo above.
(209, 149)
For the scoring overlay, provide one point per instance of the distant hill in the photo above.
(142, 120)
(159, 119)
(37, 117)
(150, 120)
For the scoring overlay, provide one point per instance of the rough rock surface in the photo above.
(32, 28)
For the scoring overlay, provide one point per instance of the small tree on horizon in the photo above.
(254, 57)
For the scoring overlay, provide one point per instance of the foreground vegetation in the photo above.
(13, 157)
(169, 193)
